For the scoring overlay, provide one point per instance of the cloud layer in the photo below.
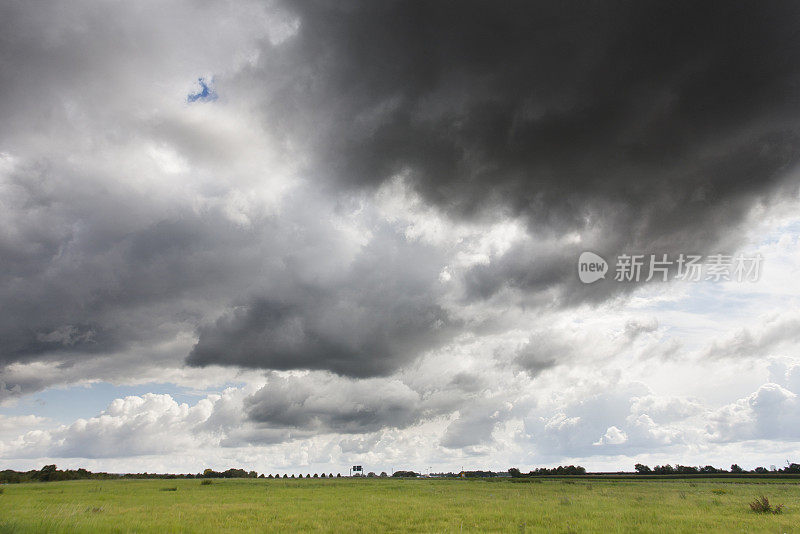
(351, 228)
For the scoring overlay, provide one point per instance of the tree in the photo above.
(791, 468)
(736, 469)
(514, 472)
(48, 472)
(642, 469)
(664, 470)
(383, 474)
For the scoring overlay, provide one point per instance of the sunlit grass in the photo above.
(366, 505)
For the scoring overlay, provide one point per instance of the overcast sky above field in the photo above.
(298, 236)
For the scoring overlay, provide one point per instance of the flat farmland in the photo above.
(399, 505)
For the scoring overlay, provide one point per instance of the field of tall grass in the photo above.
(413, 505)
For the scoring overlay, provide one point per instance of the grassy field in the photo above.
(367, 505)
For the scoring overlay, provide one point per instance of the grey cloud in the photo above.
(542, 353)
(98, 255)
(635, 328)
(322, 402)
(647, 127)
(468, 382)
(61, 59)
(359, 444)
(334, 404)
(768, 336)
(98, 298)
(529, 267)
(655, 125)
(380, 314)
(548, 347)
(475, 424)
(249, 435)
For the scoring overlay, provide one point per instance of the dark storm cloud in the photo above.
(332, 404)
(639, 127)
(90, 294)
(103, 254)
(382, 313)
(656, 125)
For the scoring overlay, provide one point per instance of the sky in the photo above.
(293, 237)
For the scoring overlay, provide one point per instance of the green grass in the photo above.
(342, 505)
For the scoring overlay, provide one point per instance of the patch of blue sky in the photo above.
(709, 299)
(205, 94)
(790, 227)
(65, 405)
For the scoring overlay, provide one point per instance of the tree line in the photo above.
(50, 473)
(560, 470)
(791, 468)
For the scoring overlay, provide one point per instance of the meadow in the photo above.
(400, 505)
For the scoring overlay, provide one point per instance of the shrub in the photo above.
(762, 506)
(206, 482)
(1, 491)
(173, 488)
